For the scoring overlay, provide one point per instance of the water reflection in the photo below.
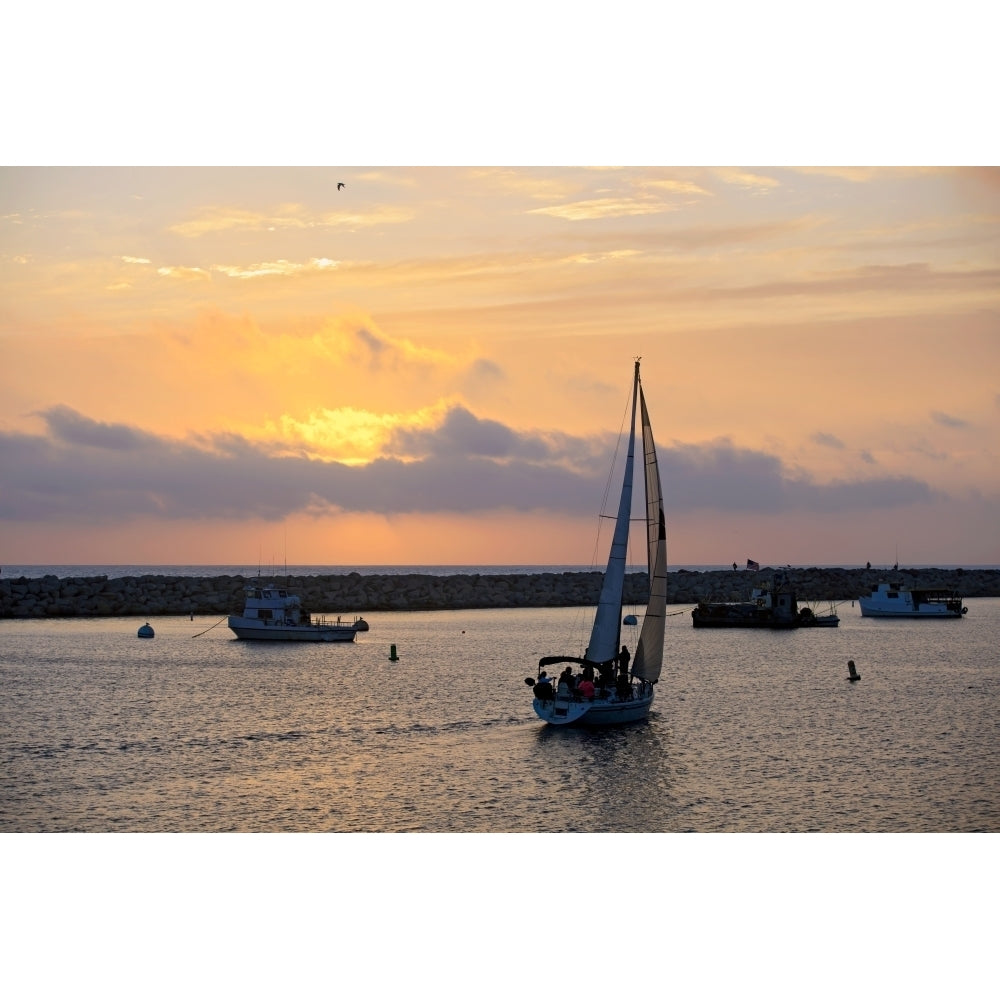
(622, 779)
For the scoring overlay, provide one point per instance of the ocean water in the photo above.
(751, 731)
(13, 571)
(280, 571)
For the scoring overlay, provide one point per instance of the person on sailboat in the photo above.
(623, 660)
(623, 687)
(607, 671)
(543, 687)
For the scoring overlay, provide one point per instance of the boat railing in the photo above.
(325, 622)
(564, 693)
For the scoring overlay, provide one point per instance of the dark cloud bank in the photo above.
(85, 471)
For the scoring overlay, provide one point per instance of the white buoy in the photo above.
(855, 676)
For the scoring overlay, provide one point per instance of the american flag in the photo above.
(752, 565)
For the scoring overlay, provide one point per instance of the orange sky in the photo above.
(430, 365)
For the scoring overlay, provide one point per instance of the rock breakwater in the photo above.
(148, 596)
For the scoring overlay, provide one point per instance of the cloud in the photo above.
(827, 440)
(746, 180)
(525, 183)
(604, 208)
(276, 267)
(382, 353)
(69, 427)
(218, 219)
(675, 186)
(865, 175)
(720, 476)
(596, 258)
(462, 433)
(881, 278)
(946, 420)
(85, 471)
(376, 347)
(185, 273)
(482, 369)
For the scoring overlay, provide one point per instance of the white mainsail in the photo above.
(648, 660)
(607, 622)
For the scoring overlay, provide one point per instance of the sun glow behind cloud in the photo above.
(348, 435)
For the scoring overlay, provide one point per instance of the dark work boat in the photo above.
(772, 604)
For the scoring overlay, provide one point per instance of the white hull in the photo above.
(922, 611)
(887, 601)
(250, 628)
(562, 711)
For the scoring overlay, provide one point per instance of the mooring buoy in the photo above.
(392, 653)
(855, 676)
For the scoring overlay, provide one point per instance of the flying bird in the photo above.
(340, 184)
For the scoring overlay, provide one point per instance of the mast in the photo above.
(607, 623)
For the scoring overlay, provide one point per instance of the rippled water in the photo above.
(751, 731)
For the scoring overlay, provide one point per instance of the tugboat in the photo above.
(271, 612)
(771, 605)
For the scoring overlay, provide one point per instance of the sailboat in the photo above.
(616, 689)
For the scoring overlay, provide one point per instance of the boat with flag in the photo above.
(772, 604)
(612, 686)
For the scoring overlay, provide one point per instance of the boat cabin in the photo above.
(271, 603)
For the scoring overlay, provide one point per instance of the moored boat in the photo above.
(773, 604)
(614, 687)
(271, 612)
(890, 601)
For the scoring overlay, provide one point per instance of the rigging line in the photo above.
(594, 561)
(210, 627)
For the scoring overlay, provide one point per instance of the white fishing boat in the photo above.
(615, 689)
(271, 612)
(891, 601)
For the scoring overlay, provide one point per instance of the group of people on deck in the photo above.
(590, 682)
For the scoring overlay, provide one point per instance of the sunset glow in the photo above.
(430, 365)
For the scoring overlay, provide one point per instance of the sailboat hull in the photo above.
(597, 712)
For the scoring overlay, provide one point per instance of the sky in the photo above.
(430, 365)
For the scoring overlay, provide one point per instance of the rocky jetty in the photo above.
(146, 596)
